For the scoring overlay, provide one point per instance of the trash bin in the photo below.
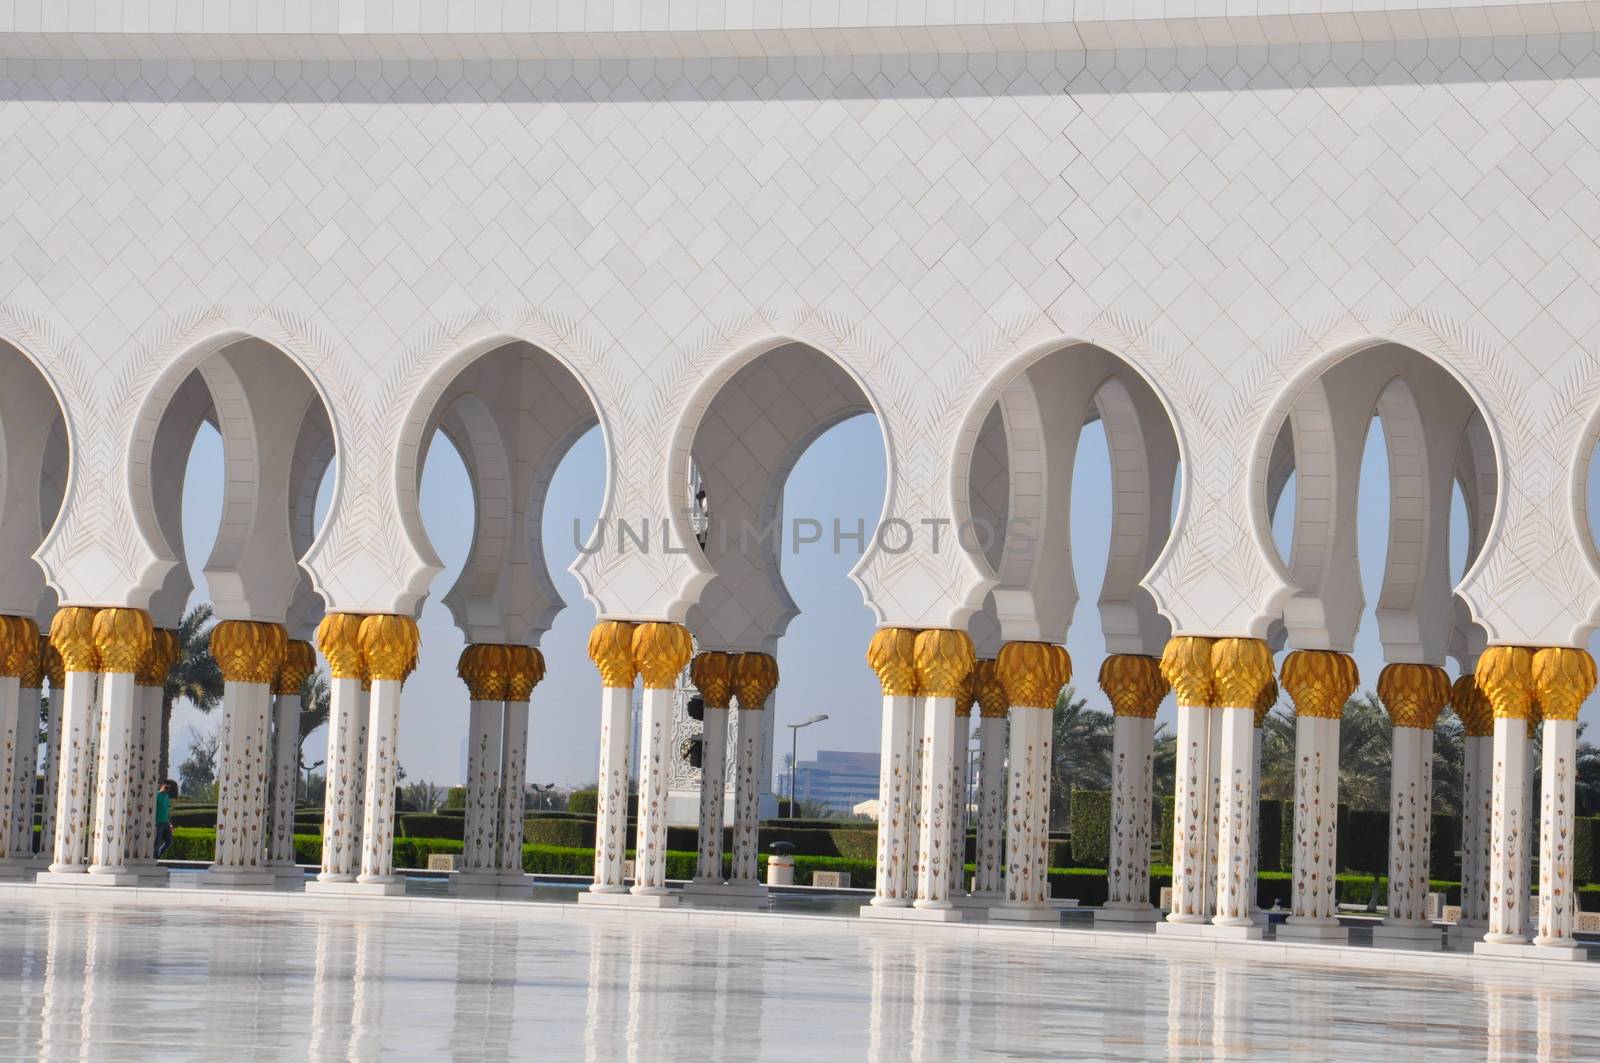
(780, 865)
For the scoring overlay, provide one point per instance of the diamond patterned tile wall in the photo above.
(1228, 220)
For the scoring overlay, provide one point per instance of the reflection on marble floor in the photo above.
(92, 983)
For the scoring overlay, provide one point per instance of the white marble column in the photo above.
(122, 639)
(1033, 674)
(1477, 819)
(24, 772)
(1135, 687)
(513, 791)
(1237, 809)
(1563, 678)
(285, 783)
(712, 674)
(1193, 798)
(141, 831)
(10, 742)
(55, 671)
(938, 803)
(1319, 682)
(611, 650)
(892, 656)
(1505, 675)
(250, 655)
(1132, 782)
(956, 865)
(655, 764)
(994, 707)
(378, 783)
(754, 677)
(481, 827)
(72, 637)
(1413, 694)
(339, 638)
(713, 792)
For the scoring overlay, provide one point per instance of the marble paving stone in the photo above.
(90, 981)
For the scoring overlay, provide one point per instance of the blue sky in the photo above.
(821, 658)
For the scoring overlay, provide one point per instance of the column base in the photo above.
(978, 902)
(1129, 914)
(121, 877)
(287, 876)
(1211, 931)
(912, 915)
(150, 873)
(1023, 913)
(345, 887)
(226, 879)
(1465, 932)
(630, 900)
(490, 886)
(1406, 933)
(1573, 953)
(18, 868)
(722, 895)
(1312, 930)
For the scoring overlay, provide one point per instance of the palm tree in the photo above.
(1449, 746)
(1277, 756)
(195, 677)
(1365, 749)
(1080, 752)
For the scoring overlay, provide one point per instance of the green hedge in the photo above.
(1090, 819)
(1584, 850)
(569, 833)
(1163, 834)
(428, 825)
(1274, 821)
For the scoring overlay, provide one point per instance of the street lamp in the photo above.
(543, 792)
(794, 754)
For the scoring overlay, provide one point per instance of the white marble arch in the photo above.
(744, 427)
(1474, 476)
(1018, 477)
(762, 420)
(1428, 417)
(31, 417)
(313, 457)
(574, 401)
(259, 399)
(512, 414)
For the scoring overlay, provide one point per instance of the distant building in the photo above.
(837, 780)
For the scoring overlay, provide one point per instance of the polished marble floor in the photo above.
(86, 981)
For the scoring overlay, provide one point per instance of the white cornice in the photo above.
(363, 30)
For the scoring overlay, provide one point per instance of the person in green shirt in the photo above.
(164, 796)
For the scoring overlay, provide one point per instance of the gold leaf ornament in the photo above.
(1414, 694)
(72, 638)
(1505, 675)
(1562, 678)
(943, 659)
(1319, 682)
(339, 639)
(1134, 684)
(611, 650)
(660, 653)
(121, 639)
(19, 645)
(1471, 704)
(712, 674)
(484, 666)
(389, 643)
(524, 670)
(755, 677)
(299, 661)
(1186, 666)
(1033, 673)
(987, 688)
(1240, 671)
(892, 656)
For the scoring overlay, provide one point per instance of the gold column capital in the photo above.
(755, 677)
(121, 639)
(1562, 679)
(33, 671)
(1505, 675)
(72, 637)
(484, 667)
(1471, 705)
(1186, 666)
(1319, 682)
(1033, 673)
(50, 660)
(660, 653)
(611, 650)
(389, 643)
(892, 654)
(19, 644)
(339, 639)
(1240, 670)
(943, 658)
(712, 674)
(1134, 684)
(1266, 701)
(1413, 694)
(987, 688)
(525, 667)
(248, 651)
(159, 658)
(299, 661)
